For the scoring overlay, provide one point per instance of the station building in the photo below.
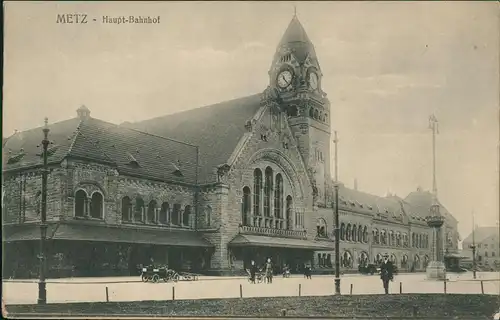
(206, 190)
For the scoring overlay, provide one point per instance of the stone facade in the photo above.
(286, 143)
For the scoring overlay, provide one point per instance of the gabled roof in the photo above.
(369, 203)
(421, 202)
(130, 151)
(481, 234)
(216, 129)
(29, 143)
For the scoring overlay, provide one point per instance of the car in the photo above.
(369, 269)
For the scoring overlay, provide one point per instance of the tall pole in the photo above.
(335, 141)
(42, 293)
(473, 247)
(337, 223)
(433, 125)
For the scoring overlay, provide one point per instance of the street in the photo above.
(131, 289)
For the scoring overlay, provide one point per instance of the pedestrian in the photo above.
(386, 272)
(307, 271)
(269, 271)
(253, 271)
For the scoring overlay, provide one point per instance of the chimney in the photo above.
(355, 184)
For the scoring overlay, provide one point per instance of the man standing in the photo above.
(269, 271)
(386, 272)
(253, 271)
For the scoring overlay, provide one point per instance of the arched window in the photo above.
(245, 207)
(278, 197)
(164, 213)
(363, 259)
(208, 215)
(365, 234)
(126, 209)
(321, 228)
(316, 114)
(346, 260)
(376, 236)
(420, 241)
(426, 261)
(292, 111)
(416, 262)
(185, 216)
(96, 206)
(405, 239)
(390, 238)
(413, 240)
(398, 239)
(393, 259)
(354, 232)
(342, 231)
(311, 113)
(404, 262)
(257, 188)
(360, 234)
(348, 232)
(139, 209)
(175, 214)
(80, 203)
(378, 259)
(289, 215)
(151, 212)
(383, 237)
(268, 186)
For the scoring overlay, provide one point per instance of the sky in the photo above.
(387, 66)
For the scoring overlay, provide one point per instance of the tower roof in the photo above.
(295, 38)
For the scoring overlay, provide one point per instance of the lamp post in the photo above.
(42, 293)
(473, 247)
(337, 241)
(436, 268)
(337, 224)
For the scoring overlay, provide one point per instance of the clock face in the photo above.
(284, 79)
(313, 80)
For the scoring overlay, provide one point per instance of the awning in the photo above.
(83, 232)
(243, 240)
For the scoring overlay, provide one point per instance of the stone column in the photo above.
(435, 269)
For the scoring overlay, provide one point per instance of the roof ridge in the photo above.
(89, 140)
(144, 132)
(162, 137)
(75, 135)
(201, 107)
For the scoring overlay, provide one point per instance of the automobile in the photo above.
(457, 269)
(368, 269)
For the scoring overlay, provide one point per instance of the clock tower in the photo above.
(295, 84)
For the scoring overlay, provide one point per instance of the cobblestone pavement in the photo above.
(131, 289)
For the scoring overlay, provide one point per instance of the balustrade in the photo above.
(271, 232)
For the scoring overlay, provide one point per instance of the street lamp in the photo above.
(473, 247)
(336, 214)
(42, 292)
(337, 240)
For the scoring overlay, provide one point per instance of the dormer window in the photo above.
(132, 160)
(16, 158)
(176, 170)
